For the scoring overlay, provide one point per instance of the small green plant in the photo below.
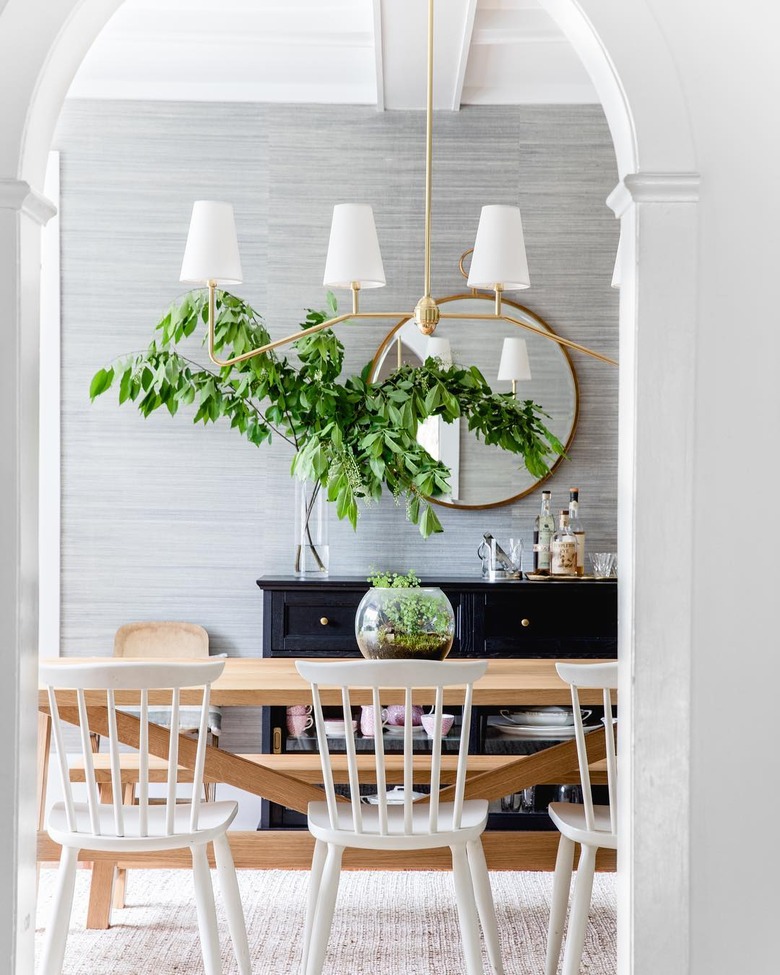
(411, 622)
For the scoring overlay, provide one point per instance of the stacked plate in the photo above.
(541, 722)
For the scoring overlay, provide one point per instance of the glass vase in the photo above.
(311, 530)
(399, 623)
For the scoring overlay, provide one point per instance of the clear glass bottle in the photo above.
(577, 528)
(544, 527)
(563, 549)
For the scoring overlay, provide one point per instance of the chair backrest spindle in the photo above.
(116, 773)
(435, 787)
(143, 763)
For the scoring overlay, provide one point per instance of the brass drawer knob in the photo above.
(525, 622)
(324, 620)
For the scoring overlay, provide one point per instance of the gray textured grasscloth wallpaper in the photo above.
(162, 519)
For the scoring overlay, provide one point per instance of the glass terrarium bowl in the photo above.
(396, 623)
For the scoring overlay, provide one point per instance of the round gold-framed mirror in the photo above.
(487, 476)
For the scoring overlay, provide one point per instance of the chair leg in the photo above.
(315, 879)
(207, 912)
(59, 922)
(564, 864)
(467, 911)
(323, 915)
(485, 907)
(228, 883)
(578, 918)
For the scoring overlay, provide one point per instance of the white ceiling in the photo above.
(365, 52)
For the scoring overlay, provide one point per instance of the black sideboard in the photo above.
(503, 619)
(302, 617)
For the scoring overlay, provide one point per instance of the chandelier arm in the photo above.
(288, 339)
(532, 328)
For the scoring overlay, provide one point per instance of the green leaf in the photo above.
(101, 381)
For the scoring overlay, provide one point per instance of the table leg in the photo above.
(99, 909)
(120, 879)
(42, 772)
(44, 747)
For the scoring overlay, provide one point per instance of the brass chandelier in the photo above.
(354, 261)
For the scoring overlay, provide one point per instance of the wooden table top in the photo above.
(256, 681)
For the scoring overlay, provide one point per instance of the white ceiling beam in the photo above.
(465, 47)
(404, 26)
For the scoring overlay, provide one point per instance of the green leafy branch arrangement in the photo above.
(354, 438)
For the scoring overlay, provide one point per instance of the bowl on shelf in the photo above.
(553, 716)
(429, 723)
(394, 796)
(336, 727)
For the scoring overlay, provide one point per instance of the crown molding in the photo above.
(654, 188)
(16, 194)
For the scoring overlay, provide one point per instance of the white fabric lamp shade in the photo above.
(499, 250)
(514, 362)
(353, 250)
(439, 348)
(211, 253)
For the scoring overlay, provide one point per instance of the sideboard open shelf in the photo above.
(518, 619)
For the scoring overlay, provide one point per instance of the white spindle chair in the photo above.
(410, 825)
(590, 825)
(116, 828)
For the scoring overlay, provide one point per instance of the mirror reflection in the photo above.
(487, 476)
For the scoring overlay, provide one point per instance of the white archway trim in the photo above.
(16, 194)
(658, 327)
(642, 97)
(654, 188)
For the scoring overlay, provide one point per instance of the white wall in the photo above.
(728, 67)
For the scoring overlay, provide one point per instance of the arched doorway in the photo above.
(41, 45)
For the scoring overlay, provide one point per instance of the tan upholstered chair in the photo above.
(169, 639)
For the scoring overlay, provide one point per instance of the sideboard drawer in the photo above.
(551, 619)
(314, 622)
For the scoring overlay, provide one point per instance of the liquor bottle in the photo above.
(563, 549)
(577, 529)
(544, 526)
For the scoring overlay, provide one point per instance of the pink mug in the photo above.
(367, 720)
(298, 723)
(299, 709)
(396, 712)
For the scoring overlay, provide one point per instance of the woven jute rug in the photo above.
(386, 923)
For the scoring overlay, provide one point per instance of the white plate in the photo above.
(536, 731)
(397, 731)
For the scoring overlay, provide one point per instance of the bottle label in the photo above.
(564, 557)
(542, 549)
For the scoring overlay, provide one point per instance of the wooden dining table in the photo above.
(291, 779)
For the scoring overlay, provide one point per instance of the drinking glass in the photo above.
(603, 564)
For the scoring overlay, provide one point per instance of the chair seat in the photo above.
(213, 820)
(473, 822)
(189, 718)
(569, 817)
